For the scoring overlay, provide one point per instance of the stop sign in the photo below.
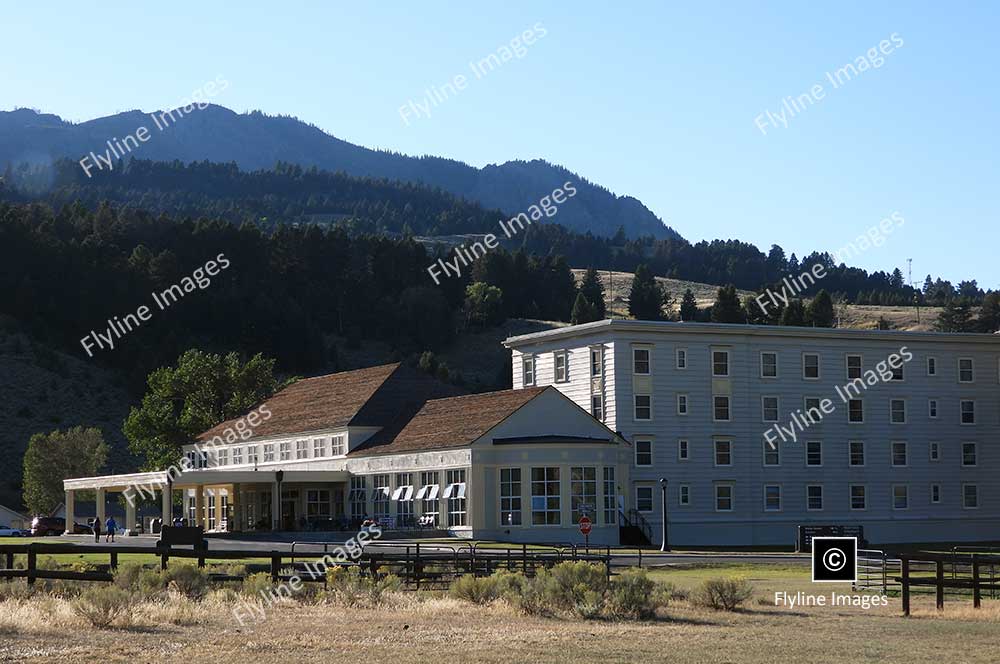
(585, 525)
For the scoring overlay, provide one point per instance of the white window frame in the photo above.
(975, 454)
(597, 351)
(301, 449)
(776, 372)
(850, 497)
(684, 495)
(820, 444)
(933, 408)
(932, 447)
(965, 505)
(643, 439)
(528, 369)
(652, 498)
(780, 506)
(564, 356)
(319, 448)
(649, 360)
(892, 454)
(687, 405)
(338, 445)
(822, 498)
(732, 496)
(862, 420)
(892, 412)
(819, 370)
(972, 370)
(961, 412)
(725, 352)
(767, 449)
(681, 359)
(763, 407)
(807, 410)
(902, 373)
(892, 496)
(683, 449)
(597, 406)
(931, 362)
(850, 455)
(635, 408)
(936, 485)
(729, 412)
(847, 365)
(729, 452)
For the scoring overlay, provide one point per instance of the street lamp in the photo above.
(663, 497)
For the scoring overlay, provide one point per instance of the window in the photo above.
(561, 363)
(528, 370)
(339, 445)
(319, 448)
(859, 498)
(546, 508)
(683, 450)
(681, 358)
(768, 365)
(723, 497)
(286, 451)
(643, 452)
(968, 411)
(252, 454)
(934, 449)
(723, 453)
(720, 363)
(237, 456)
(644, 498)
(814, 497)
(935, 493)
(853, 367)
(931, 366)
(643, 407)
(968, 454)
(596, 362)
(211, 511)
(640, 361)
(456, 497)
(855, 411)
(772, 457)
(812, 409)
(268, 452)
(682, 404)
(897, 411)
(357, 497)
(721, 408)
(597, 407)
(772, 498)
(684, 495)
(900, 497)
(403, 497)
(302, 449)
(510, 496)
(899, 453)
(810, 366)
(223, 457)
(583, 492)
(814, 453)
(970, 496)
(769, 409)
(430, 506)
(381, 495)
(856, 453)
(965, 372)
(932, 409)
(318, 504)
(610, 496)
(897, 372)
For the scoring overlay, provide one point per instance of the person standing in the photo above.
(110, 526)
(96, 525)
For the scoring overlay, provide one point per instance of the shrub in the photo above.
(634, 596)
(478, 590)
(722, 594)
(127, 575)
(508, 583)
(255, 584)
(349, 586)
(575, 586)
(103, 606)
(16, 591)
(188, 580)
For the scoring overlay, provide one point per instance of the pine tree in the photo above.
(689, 307)
(956, 316)
(794, 314)
(592, 289)
(989, 314)
(820, 311)
(583, 311)
(727, 307)
(645, 300)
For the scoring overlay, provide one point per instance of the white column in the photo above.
(70, 512)
(129, 516)
(101, 501)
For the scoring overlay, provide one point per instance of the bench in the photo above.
(171, 536)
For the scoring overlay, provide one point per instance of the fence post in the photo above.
(939, 583)
(32, 564)
(114, 560)
(905, 565)
(417, 567)
(885, 578)
(977, 598)
(524, 559)
(10, 564)
(275, 566)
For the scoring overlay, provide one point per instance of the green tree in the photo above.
(592, 289)
(820, 312)
(727, 307)
(794, 314)
(483, 305)
(646, 297)
(989, 314)
(956, 316)
(689, 307)
(186, 400)
(583, 311)
(56, 456)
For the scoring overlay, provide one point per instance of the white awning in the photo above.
(428, 492)
(456, 490)
(356, 496)
(403, 493)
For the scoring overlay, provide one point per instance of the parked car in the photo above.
(53, 525)
(7, 531)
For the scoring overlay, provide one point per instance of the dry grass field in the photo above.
(425, 628)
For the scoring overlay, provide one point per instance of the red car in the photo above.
(53, 525)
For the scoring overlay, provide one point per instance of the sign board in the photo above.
(585, 525)
(806, 533)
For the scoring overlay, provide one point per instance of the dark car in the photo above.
(53, 525)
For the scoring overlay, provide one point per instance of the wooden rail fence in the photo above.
(965, 575)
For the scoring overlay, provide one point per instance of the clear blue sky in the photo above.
(657, 101)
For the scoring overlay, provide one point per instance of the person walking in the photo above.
(111, 527)
(96, 525)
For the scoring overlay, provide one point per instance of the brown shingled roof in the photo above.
(365, 397)
(450, 422)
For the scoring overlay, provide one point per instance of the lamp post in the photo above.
(664, 546)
